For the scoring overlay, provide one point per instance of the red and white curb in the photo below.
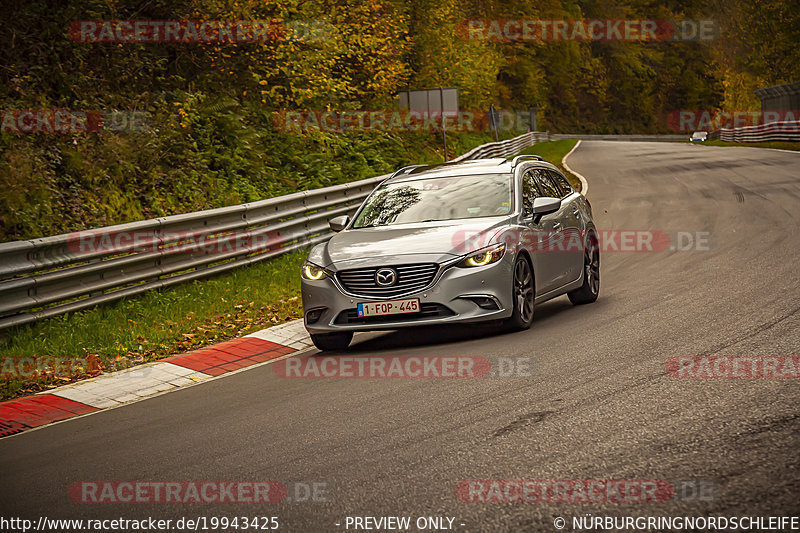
(140, 382)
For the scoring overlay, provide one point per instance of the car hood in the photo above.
(427, 241)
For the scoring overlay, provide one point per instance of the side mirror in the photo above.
(545, 205)
(339, 223)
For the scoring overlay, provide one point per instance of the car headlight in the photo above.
(484, 256)
(312, 272)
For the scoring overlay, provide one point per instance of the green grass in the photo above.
(155, 325)
(775, 144)
(554, 152)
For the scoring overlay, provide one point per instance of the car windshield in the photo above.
(431, 199)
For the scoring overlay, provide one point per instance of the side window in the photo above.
(546, 186)
(529, 190)
(562, 183)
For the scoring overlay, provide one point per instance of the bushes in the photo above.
(202, 155)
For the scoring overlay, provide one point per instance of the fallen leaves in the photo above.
(153, 336)
(33, 375)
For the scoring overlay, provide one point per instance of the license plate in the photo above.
(391, 307)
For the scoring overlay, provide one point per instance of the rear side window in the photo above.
(562, 183)
(546, 187)
(529, 190)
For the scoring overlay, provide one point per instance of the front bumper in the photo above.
(453, 298)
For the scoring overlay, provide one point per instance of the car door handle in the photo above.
(556, 225)
(576, 211)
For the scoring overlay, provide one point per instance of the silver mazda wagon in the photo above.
(475, 241)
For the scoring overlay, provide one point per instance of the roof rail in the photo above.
(523, 157)
(406, 170)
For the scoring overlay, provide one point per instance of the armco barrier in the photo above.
(505, 148)
(45, 277)
(774, 131)
(621, 137)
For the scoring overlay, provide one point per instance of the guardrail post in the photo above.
(95, 294)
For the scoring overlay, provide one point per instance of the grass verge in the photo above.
(554, 152)
(795, 146)
(153, 326)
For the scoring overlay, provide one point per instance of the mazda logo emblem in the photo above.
(385, 277)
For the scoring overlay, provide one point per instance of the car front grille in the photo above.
(410, 278)
(350, 316)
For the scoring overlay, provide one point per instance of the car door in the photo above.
(555, 225)
(546, 266)
(572, 224)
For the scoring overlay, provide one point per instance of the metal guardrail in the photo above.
(774, 131)
(621, 137)
(505, 148)
(42, 278)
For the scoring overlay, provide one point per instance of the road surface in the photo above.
(598, 403)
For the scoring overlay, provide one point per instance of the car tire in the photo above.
(590, 290)
(332, 341)
(523, 294)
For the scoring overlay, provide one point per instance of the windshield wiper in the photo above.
(416, 222)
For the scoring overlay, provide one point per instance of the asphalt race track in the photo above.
(598, 403)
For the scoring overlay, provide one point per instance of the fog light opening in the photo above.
(313, 315)
(485, 302)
